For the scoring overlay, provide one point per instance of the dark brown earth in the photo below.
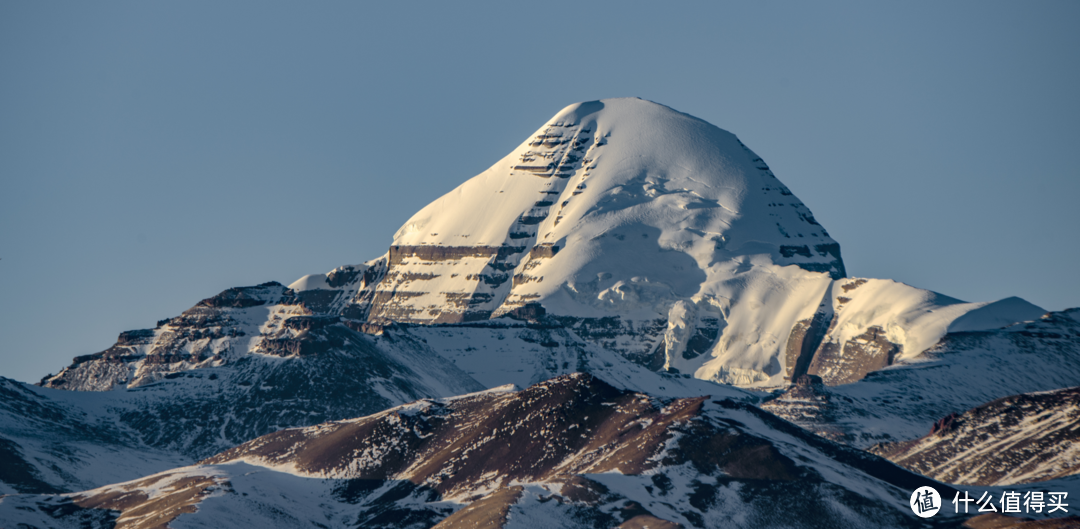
(862, 354)
(490, 511)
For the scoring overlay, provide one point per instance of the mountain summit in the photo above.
(620, 206)
(658, 236)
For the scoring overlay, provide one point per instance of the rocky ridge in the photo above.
(238, 365)
(574, 450)
(1017, 439)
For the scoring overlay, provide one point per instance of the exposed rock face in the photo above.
(863, 325)
(488, 267)
(816, 347)
(573, 451)
(803, 343)
(860, 355)
(1017, 439)
(209, 334)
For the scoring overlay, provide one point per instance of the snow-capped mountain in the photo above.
(623, 239)
(627, 210)
(644, 230)
(615, 207)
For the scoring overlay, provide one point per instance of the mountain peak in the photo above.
(613, 207)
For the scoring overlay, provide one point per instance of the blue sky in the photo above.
(153, 154)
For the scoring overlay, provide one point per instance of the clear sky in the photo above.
(153, 154)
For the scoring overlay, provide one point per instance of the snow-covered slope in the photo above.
(612, 207)
(53, 441)
(1017, 439)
